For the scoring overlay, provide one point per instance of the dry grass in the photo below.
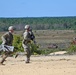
(46, 37)
(59, 37)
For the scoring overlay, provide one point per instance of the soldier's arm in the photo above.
(4, 38)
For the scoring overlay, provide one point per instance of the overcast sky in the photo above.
(37, 8)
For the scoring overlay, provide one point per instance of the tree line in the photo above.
(39, 23)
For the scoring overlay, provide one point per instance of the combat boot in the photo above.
(1, 63)
(28, 59)
(16, 55)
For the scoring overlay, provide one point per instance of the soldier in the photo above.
(27, 37)
(7, 39)
(74, 41)
(25, 43)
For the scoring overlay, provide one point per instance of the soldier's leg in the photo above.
(20, 53)
(16, 54)
(4, 56)
(28, 54)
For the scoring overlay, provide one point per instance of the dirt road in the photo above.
(40, 65)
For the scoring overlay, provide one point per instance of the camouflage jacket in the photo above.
(7, 38)
(26, 38)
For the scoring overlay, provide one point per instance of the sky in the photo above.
(37, 8)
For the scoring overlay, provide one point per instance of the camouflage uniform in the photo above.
(28, 36)
(26, 45)
(7, 39)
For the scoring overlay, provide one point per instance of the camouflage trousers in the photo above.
(27, 53)
(4, 56)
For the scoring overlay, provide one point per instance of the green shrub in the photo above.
(17, 43)
(72, 49)
(34, 49)
(0, 42)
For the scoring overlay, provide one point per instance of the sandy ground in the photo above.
(40, 65)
